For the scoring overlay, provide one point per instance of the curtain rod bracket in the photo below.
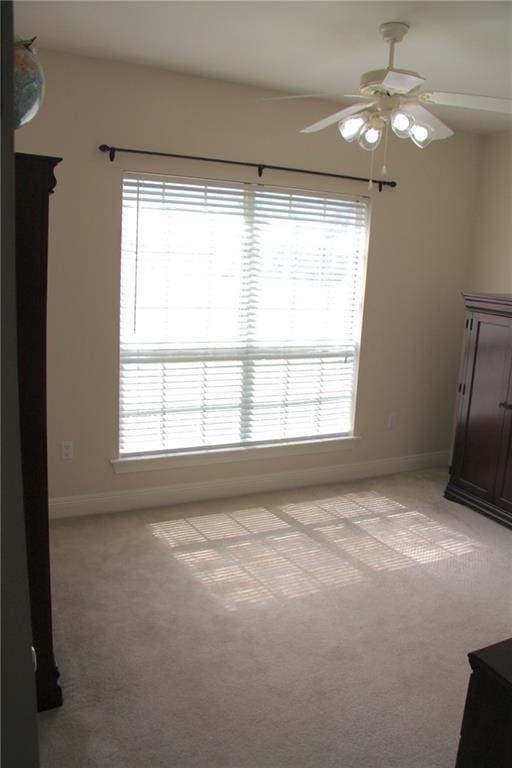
(259, 166)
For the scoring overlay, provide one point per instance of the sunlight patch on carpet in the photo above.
(255, 556)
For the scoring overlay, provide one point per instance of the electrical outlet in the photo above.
(392, 419)
(66, 451)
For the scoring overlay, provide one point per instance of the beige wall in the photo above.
(420, 240)
(491, 263)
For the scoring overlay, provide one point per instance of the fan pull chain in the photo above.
(136, 280)
(386, 136)
(370, 180)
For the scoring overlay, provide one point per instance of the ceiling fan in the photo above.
(393, 97)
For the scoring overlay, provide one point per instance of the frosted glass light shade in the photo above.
(370, 139)
(421, 134)
(401, 124)
(351, 127)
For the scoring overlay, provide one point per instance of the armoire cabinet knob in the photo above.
(505, 405)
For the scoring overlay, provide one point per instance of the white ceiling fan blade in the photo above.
(469, 101)
(402, 82)
(422, 115)
(336, 117)
(297, 96)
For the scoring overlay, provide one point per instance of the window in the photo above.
(240, 314)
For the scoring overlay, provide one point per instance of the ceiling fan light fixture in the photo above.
(401, 123)
(397, 101)
(370, 138)
(352, 126)
(421, 134)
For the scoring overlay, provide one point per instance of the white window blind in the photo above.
(240, 314)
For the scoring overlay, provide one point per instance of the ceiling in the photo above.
(294, 47)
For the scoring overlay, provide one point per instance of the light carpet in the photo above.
(318, 628)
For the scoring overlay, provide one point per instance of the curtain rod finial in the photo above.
(111, 151)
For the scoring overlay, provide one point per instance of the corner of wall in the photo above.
(475, 219)
(490, 263)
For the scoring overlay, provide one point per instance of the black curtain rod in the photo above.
(112, 151)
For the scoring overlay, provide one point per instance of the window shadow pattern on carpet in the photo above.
(255, 556)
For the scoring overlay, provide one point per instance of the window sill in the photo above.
(206, 458)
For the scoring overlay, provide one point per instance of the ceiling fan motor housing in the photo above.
(372, 83)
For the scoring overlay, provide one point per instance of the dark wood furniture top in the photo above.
(486, 733)
(500, 303)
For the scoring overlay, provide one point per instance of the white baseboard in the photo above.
(148, 498)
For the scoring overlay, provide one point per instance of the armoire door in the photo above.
(503, 488)
(482, 415)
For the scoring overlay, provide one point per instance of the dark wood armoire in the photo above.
(481, 470)
(35, 182)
